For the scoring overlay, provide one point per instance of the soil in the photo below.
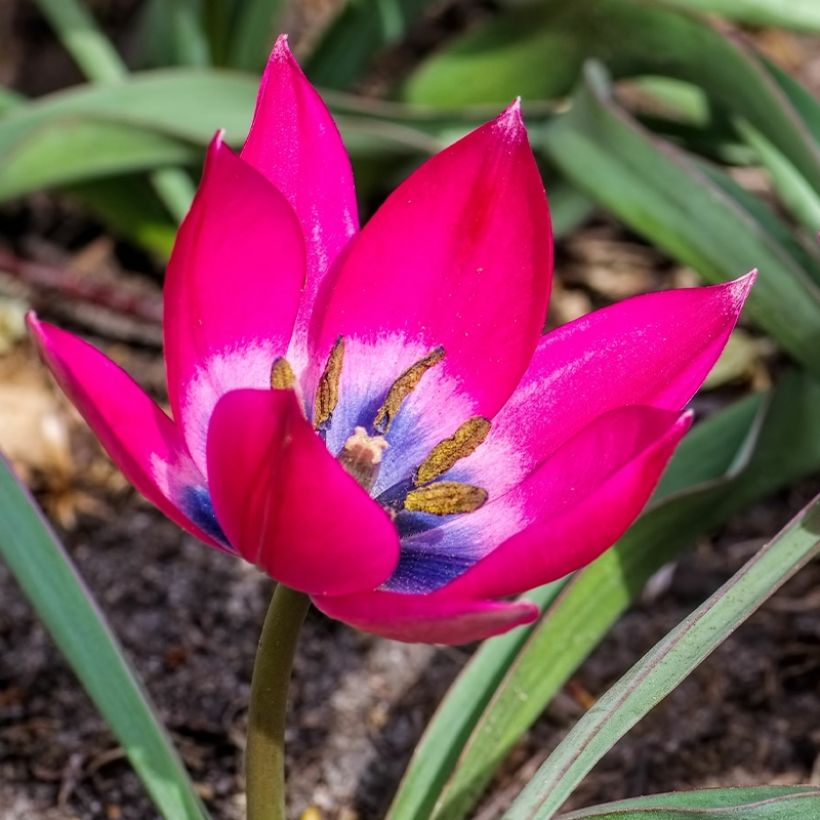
(189, 617)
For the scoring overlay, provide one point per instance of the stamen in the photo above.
(362, 455)
(446, 453)
(445, 498)
(282, 376)
(402, 388)
(327, 393)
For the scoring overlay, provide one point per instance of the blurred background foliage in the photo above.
(692, 124)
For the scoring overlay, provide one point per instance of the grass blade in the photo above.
(756, 803)
(101, 63)
(724, 464)
(438, 749)
(172, 32)
(667, 664)
(663, 194)
(362, 28)
(255, 26)
(49, 580)
(82, 38)
(803, 15)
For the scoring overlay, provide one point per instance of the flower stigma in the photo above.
(361, 456)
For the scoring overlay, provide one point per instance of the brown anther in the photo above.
(282, 376)
(362, 455)
(445, 498)
(402, 388)
(446, 453)
(327, 393)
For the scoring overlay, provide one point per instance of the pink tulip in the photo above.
(373, 417)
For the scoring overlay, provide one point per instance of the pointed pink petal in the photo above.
(459, 256)
(138, 436)
(231, 291)
(287, 505)
(294, 142)
(651, 350)
(425, 618)
(583, 524)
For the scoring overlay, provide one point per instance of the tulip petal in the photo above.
(287, 505)
(650, 350)
(294, 142)
(464, 240)
(231, 291)
(576, 533)
(145, 444)
(425, 618)
(617, 447)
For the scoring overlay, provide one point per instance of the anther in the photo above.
(402, 388)
(327, 393)
(362, 455)
(282, 376)
(445, 498)
(446, 453)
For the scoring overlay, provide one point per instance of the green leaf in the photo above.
(9, 100)
(796, 194)
(82, 38)
(698, 216)
(172, 32)
(189, 104)
(129, 207)
(803, 15)
(49, 580)
(438, 749)
(362, 28)
(255, 27)
(81, 150)
(101, 63)
(538, 51)
(756, 803)
(168, 112)
(667, 664)
(728, 461)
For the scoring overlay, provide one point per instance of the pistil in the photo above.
(362, 455)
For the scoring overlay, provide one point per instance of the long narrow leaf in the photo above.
(82, 150)
(172, 32)
(803, 15)
(436, 753)
(664, 195)
(666, 665)
(49, 580)
(538, 51)
(756, 803)
(344, 51)
(82, 38)
(185, 105)
(101, 63)
(255, 26)
(725, 463)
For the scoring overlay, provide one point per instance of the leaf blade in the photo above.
(49, 580)
(667, 664)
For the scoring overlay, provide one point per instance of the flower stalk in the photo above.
(265, 751)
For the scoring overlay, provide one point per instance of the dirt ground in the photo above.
(189, 616)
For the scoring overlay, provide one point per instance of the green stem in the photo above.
(265, 753)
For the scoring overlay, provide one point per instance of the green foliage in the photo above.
(740, 455)
(758, 803)
(44, 571)
(667, 664)
(126, 143)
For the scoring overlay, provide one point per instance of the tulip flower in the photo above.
(373, 417)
